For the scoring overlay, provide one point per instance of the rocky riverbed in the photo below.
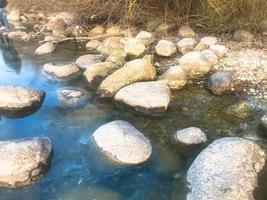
(127, 113)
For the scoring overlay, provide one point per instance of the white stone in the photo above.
(45, 48)
(123, 143)
(208, 41)
(219, 50)
(145, 37)
(210, 56)
(186, 31)
(148, 97)
(133, 47)
(186, 45)
(87, 60)
(61, 71)
(165, 48)
(190, 136)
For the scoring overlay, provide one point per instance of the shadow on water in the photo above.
(10, 54)
(77, 169)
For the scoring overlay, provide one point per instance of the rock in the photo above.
(17, 35)
(200, 47)
(263, 26)
(45, 48)
(97, 72)
(209, 56)
(241, 110)
(191, 136)
(165, 48)
(70, 96)
(227, 169)
(23, 161)
(219, 50)
(152, 24)
(133, 71)
(55, 24)
(61, 71)
(186, 45)
(243, 36)
(175, 77)
(52, 38)
(113, 30)
(67, 17)
(145, 37)
(166, 28)
(129, 32)
(14, 15)
(117, 57)
(92, 45)
(208, 41)
(186, 31)
(134, 48)
(146, 97)
(123, 143)
(86, 61)
(220, 83)
(264, 121)
(19, 101)
(97, 30)
(195, 65)
(90, 193)
(109, 45)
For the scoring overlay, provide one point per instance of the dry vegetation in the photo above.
(211, 15)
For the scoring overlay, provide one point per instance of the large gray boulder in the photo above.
(86, 61)
(148, 97)
(227, 169)
(18, 101)
(123, 143)
(133, 71)
(23, 161)
(61, 71)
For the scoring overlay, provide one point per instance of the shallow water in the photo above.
(77, 166)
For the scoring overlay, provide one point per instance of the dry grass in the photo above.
(211, 15)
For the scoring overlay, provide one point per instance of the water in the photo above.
(77, 170)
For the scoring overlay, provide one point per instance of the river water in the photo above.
(77, 170)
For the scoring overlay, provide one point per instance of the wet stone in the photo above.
(18, 101)
(220, 83)
(122, 143)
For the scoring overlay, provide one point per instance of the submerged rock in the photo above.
(186, 31)
(175, 76)
(227, 169)
(61, 71)
(146, 97)
(86, 61)
(18, 101)
(123, 143)
(70, 96)
(97, 72)
(220, 83)
(191, 136)
(23, 161)
(45, 48)
(133, 71)
(243, 36)
(195, 65)
(90, 193)
(241, 110)
(165, 48)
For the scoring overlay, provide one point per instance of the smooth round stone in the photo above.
(243, 36)
(86, 61)
(72, 96)
(210, 56)
(61, 71)
(190, 136)
(23, 161)
(145, 37)
(18, 101)
(165, 48)
(186, 44)
(148, 97)
(219, 50)
(186, 31)
(227, 169)
(220, 83)
(134, 47)
(92, 45)
(208, 40)
(123, 143)
(45, 48)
